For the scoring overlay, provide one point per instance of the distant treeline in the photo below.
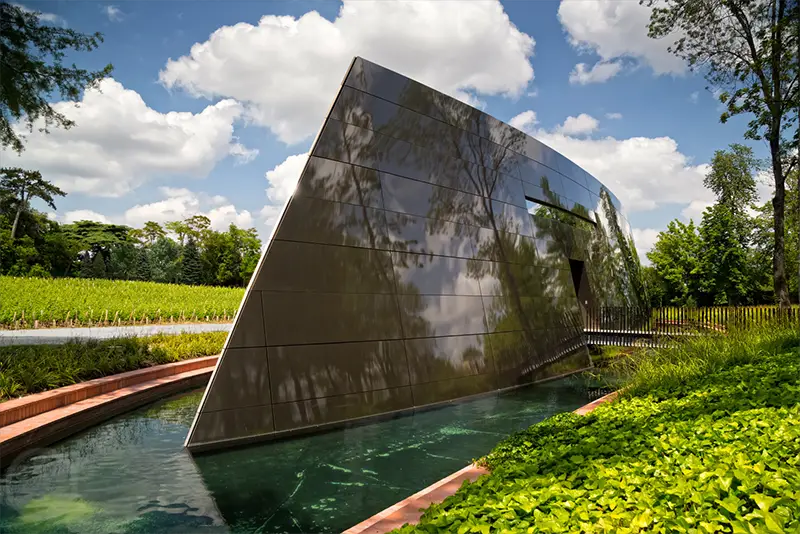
(186, 252)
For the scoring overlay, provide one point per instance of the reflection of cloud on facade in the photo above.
(407, 258)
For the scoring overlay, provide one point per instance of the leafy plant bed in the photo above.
(718, 452)
(34, 368)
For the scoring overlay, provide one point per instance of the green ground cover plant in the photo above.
(43, 302)
(26, 369)
(694, 447)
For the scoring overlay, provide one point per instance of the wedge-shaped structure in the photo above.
(429, 253)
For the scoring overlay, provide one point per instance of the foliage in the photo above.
(727, 259)
(164, 258)
(73, 301)
(717, 453)
(30, 369)
(31, 71)
(98, 267)
(731, 178)
(675, 258)
(722, 259)
(752, 49)
(648, 370)
(191, 268)
(20, 186)
(148, 254)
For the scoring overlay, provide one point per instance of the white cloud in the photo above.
(85, 215)
(644, 239)
(615, 29)
(281, 183)
(181, 203)
(598, 73)
(614, 116)
(583, 124)
(694, 97)
(695, 209)
(119, 143)
(282, 180)
(113, 13)
(643, 172)
(525, 121)
(286, 70)
(177, 204)
(533, 94)
(242, 154)
(50, 18)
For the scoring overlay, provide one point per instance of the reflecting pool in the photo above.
(132, 475)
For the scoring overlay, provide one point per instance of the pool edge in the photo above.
(409, 509)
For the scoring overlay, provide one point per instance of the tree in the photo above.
(98, 267)
(86, 265)
(656, 289)
(722, 259)
(22, 186)
(732, 180)
(122, 261)
(31, 70)
(751, 48)
(142, 271)
(152, 232)
(675, 258)
(180, 229)
(191, 266)
(165, 261)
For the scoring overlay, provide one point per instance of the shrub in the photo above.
(29, 369)
(711, 445)
(644, 371)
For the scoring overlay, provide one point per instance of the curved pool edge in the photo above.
(57, 423)
(409, 510)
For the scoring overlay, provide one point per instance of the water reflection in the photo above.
(131, 475)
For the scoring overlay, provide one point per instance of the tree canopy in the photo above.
(32, 69)
(749, 49)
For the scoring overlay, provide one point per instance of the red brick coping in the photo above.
(43, 418)
(408, 510)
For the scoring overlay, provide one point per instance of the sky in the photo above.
(212, 106)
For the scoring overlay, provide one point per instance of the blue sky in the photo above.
(221, 128)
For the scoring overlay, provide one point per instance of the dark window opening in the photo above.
(579, 216)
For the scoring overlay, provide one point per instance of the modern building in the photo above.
(429, 253)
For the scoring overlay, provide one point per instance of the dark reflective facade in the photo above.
(430, 252)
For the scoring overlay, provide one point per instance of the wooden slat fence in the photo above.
(629, 326)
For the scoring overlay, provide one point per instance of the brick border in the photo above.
(409, 510)
(15, 410)
(60, 422)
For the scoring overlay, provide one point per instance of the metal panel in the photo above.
(406, 270)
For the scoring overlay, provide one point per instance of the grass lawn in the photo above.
(86, 302)
(706, 439)
(26, 369)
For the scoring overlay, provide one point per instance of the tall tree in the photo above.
(164, 260)
(675, 258)
(152, 232)
(749, 47)
(722, 259)
(191, 266)
(24, 185)
(32, 69)
(98, 266)
(732, 179)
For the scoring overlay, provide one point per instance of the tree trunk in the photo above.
(16, 219)
(779, 217)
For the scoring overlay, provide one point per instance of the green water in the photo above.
(132, 475)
